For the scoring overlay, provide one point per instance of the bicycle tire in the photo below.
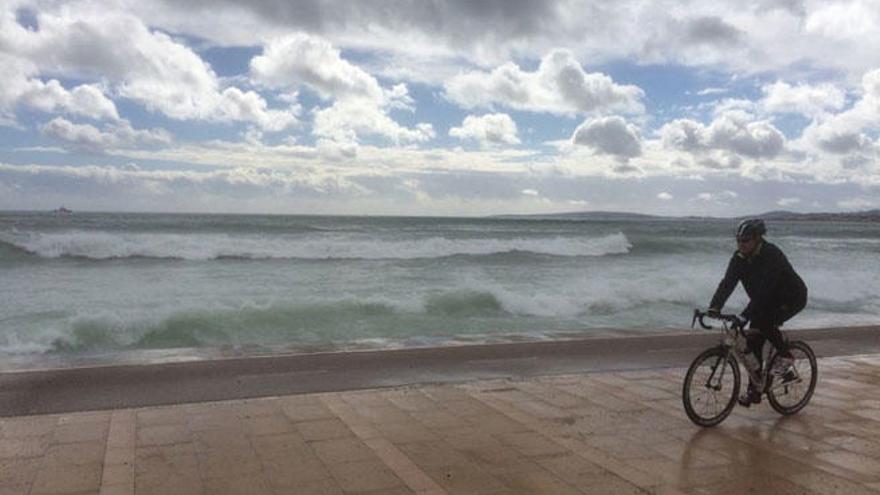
(712, 358)
(779, 395)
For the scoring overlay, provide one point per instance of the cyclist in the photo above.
(776, 294)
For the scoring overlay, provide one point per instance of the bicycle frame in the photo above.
(732, 334)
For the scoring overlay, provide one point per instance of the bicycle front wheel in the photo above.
(710, 387)
(790, 396)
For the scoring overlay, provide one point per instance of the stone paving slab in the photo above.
(623, 432)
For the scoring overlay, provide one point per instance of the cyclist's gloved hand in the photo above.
(713, 312)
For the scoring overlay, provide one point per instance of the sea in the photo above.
(123, 287)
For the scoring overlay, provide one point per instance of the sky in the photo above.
(462, 107)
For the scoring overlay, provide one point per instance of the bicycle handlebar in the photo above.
(700, 315)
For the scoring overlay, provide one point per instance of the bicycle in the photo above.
(712, 383)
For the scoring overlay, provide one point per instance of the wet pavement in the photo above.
(599, 432)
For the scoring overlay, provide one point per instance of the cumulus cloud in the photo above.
(302, 59)
(844, 20)
(489, 130)
(237, 105)
(748, 37)
(610, 136)
(685, 135)
(846, 132)
(861, 163)
(146, 66)
(86, 100)
(847, 138)
(781, 97)
(719, 160)
(755, 139)
(786, 202)
(559, 85)
(837, 141)
(19, 86)
(665, 196)
(88, 138)
(347, 119)
(729, 137)
(711, 30)
(360, 105)
(396, 25)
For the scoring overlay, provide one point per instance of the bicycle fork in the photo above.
(718, 376)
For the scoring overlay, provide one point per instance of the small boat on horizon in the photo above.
(62, 211)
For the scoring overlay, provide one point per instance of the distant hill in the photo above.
(587, 215)
(857, 216)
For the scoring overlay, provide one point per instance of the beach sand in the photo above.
(597, 415)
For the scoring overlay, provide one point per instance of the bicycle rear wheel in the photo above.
(710, 387)
(791, 397)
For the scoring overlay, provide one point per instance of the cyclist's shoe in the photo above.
(752, 396)
(782, 366)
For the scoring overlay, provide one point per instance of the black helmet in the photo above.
(750, 228)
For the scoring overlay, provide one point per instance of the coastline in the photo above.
(135, 385)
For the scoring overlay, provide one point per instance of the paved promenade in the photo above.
(622, 432)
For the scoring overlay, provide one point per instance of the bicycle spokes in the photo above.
(791, 391)
(710, 387)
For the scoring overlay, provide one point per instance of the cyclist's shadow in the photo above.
(740, 459)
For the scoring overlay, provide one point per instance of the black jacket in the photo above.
(767, 277)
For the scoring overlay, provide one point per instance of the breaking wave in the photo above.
(114, 245)
(317, 323)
